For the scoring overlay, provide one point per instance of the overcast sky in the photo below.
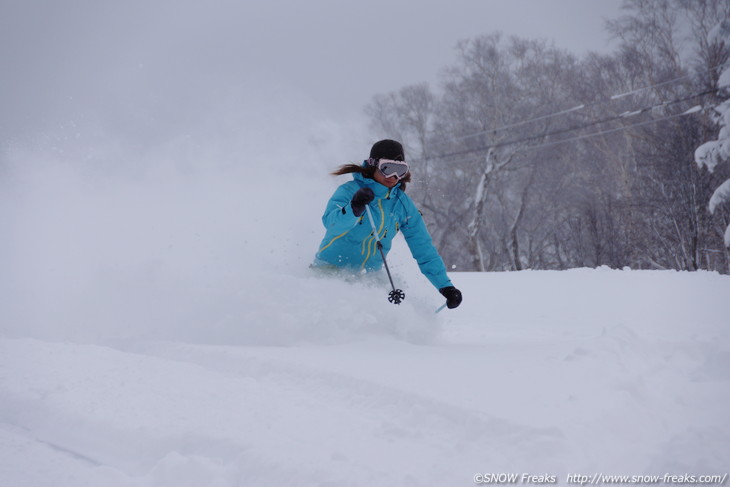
(168, 60)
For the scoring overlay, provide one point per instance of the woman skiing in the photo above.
(350, 241)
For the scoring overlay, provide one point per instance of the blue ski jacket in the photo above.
(350, 242)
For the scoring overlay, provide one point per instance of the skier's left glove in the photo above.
(452, 295)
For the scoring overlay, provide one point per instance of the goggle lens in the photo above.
(391, 168)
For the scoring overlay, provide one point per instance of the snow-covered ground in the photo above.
(159, 327)
(584, 371)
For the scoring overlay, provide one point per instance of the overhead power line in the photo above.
(582, 106)
(692, 110)
(622, 116)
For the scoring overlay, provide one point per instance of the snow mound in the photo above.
(618, 372)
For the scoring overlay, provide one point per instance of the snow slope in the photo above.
(159, 327)
(618, 372)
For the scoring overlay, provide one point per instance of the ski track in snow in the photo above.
(627, 379)
(262, 419)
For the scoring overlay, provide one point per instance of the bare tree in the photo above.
(531, 158)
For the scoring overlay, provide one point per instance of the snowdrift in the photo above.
(159, 326)
(548, 373)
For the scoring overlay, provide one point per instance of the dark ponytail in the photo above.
(366, 171)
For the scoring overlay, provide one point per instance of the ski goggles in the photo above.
(390, 168)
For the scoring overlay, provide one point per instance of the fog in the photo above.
(159, 160)
(144, 67)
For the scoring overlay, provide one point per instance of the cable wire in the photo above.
(582, 106)
(621, 116)
(692, 110)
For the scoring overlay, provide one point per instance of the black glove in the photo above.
(362, 197)
(452, 295)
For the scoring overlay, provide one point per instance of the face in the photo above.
(387, 182)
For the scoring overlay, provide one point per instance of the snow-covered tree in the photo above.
(714, 152)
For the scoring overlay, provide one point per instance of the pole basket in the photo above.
(396, 296)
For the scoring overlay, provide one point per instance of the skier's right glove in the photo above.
(362, 197)
(452, 295)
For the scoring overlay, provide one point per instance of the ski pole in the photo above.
(396, 295)
(440, 308)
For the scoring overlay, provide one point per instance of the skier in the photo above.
(350, 241)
